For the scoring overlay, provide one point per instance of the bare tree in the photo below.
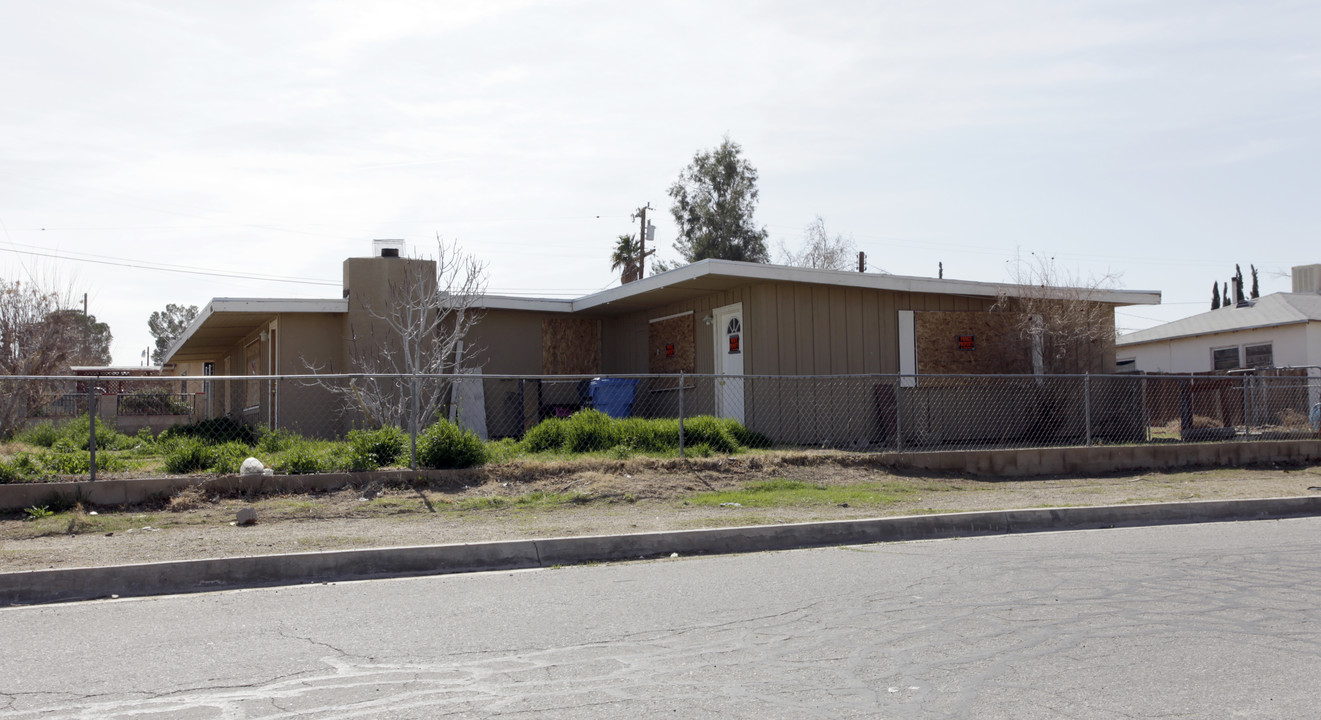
(1058, 315)
(40, 334)
(820, 250)
(417, 331)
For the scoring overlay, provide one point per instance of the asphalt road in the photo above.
(1208, 621)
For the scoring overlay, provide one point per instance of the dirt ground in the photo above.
(591, 497)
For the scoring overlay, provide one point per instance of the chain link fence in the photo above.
(868, 413)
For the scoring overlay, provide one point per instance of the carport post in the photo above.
(91, 424)
(681, 414)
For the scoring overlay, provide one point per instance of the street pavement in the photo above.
(1213, 620)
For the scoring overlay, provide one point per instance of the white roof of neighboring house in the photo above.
(1269, 311)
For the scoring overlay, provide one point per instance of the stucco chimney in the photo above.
(387, 248)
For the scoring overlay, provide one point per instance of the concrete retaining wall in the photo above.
(992, 463)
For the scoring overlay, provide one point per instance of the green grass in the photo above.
(528, 501)
(792, 493)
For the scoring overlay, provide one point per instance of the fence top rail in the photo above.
(1130, 377)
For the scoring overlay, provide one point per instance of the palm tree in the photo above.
(625, 258)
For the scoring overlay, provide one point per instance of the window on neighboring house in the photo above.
(1224, 358)
(1126, 365)
(1258, 356)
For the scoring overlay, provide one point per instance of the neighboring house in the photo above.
(1276, 330)
(712, 318)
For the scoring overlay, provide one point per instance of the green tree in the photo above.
(714, 199)
(1215, 296)
(625, 258)
(167, 326)
(1256, 289)
(88, 340)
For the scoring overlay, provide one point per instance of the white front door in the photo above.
(730, 342)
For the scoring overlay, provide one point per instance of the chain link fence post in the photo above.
(899, 414)
(412, 422)
(681, 381)
(1087, 405)
(91, 424)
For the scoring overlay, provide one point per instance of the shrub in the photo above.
(227, 458)
(186, 455)
(545, 436)
(153, 402)
(301, 459)
(9, 474)
(588, 431)
(711, 431)
(66, 463)
(378, 448)
(43, 434)
(76, 435)
(277, 440)
(216, 431)
(446, 445)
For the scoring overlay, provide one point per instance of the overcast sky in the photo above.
(267, 141)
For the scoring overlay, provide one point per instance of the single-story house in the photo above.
(1275, 330)
(714, 319)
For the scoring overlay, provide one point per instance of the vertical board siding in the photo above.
(839, 344)
(820, 330)
(804, 330)
(857, 353)
(870, 331)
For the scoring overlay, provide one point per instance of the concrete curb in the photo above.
(166, 578)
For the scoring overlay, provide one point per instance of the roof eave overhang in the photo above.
(706, 276)
(189, 345)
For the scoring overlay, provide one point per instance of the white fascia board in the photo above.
(270, 305)
(279, 305)
(506, 302)
(1121, 342)
(783, 273)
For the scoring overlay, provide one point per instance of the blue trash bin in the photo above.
(613, 396)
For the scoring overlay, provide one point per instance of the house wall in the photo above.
(1290, 346)
(305, 341)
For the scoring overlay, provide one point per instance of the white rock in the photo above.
(252, 466)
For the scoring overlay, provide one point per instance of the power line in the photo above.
(137, 265)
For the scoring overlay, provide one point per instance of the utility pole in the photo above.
(862, 261)
(641, 214)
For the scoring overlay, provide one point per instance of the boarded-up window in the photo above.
(570, 346)
(968, 342)
(670, 344)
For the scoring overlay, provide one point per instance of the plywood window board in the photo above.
(968, 342)
(671, 347)
(570, 346)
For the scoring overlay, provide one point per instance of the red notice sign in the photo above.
(967, 342)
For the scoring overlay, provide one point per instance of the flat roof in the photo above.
(225, 321)
(707, 276)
